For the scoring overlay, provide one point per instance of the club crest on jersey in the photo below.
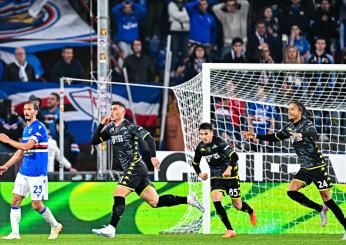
(117, 139)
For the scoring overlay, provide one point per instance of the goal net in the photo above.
(238, 97)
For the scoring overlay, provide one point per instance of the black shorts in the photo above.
(318, 175)
(136, 179)
(229, 187)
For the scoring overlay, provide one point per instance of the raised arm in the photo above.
(99, 135)
(278, 136)
(18, 145)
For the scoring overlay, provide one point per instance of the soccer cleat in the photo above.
(229, 234)
(323, 215)
(344, 237)
(253, 219)
(54, 232)
(11, 236)
(193, 201)
(107, 231)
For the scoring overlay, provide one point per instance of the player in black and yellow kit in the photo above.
(125, 137)
(302, 134)
(224, 177)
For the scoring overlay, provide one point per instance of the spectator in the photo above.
(292, 55)
(228, 116)
(67, 66)
(127, 16)
(295, 14)
(51, 113)
(321, 83)
(261, 116)
(301, 43)
(194, 65)
(271, 22)
(71, 148)
(38, 101)
(265, 56)
(293, 81)
(324, 24)
(233, 18)
(10, 123)
(320, 56)
(139, 66)
(54, 155)
(203, 29)
(258, 37)
(20, 69)
(237, 53)
(180, 27)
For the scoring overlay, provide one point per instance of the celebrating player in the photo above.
(302, 134)
(124, 137)
(224, 174)
(32, 176)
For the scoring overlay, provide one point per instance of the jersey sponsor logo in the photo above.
(215, 156)
(117, 139)
(214, 147)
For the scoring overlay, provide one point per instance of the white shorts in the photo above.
(37, 186)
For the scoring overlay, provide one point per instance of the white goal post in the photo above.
(209, 97)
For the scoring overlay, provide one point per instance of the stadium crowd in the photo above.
(228, 31)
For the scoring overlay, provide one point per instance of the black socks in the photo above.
(246, 208)
(337, 212)
(223, 215)
(171, 200)
(303, 200)
(118, 210)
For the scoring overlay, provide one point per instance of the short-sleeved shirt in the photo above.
(125, 138)
(217, 154)
(35, 160)
(309, 156)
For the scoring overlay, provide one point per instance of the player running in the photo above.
(32, 176)
(302, 134)
(125, 137)
(224, 177)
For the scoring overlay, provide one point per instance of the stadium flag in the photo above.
(41, 25)
(80, 103)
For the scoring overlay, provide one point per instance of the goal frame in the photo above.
(206, 95)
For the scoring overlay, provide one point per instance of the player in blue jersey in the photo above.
(32, 176)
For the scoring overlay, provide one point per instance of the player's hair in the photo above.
(119, 103)
(35, 105)
(305, 112)
(206, 126)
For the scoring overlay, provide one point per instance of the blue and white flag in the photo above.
(81, 103)
(39, 25)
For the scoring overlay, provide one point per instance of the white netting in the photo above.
(257, 100)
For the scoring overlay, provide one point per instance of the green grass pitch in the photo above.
(181, 239)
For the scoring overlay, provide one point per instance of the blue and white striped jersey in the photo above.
(35, 161)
